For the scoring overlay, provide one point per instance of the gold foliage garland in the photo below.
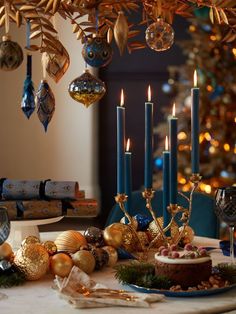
(39, 14)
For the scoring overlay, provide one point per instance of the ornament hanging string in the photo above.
(7, 22)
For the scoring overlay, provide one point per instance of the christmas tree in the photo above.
(214, 56)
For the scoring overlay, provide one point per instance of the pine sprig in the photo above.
(11, 277)
(226, 271)
(141, 274)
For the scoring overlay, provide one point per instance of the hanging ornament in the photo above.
(160, 35)
(121, 30)
(11, 54)
(87, 89)
(27, 102)
(45, 102)
(33, 260)
(97, 52)
(4, 225)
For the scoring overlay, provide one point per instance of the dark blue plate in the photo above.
(195, 293)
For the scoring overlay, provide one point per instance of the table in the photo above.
(38, 297)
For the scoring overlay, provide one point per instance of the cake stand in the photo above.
(20, 229)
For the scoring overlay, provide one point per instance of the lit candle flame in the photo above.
(173, 110)
(122, 98)
(195, 78)
(149, 93)
(128, 145)
(166, 143)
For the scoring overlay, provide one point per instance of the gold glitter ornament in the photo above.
(5, 251)
(84, 260)
(30, 240)
(70, 241)
(61, 264)
(33, 260)
(113, 255)
(154, 232)
(143, 238)
(188, 234)
(118, 234)
(51, 247)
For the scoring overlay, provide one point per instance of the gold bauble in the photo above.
(188, 234)
(154, 232)
(70, 241)
(143, 238)
(133, 221)
(50, 246)
(84, 260)
(30, 240)
(33, 260)
(5, 251)
(118, 235)
(61, 264)
(113, 255)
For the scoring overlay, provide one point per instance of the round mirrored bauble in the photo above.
(97, 52)
(94, 235)
(101, 257)
(87, 89)
(160, 35)
(11, 55)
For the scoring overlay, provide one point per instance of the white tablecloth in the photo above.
(39, 298)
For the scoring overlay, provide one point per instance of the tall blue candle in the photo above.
(148, 161)
(173, 123)
(195, 126)
(128, 177)
(166, 186)
(121, 146)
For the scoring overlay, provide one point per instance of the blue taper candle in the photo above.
(173, 123)
(128, 177)
(148, 159)
(121, 146)
(166, 186)
(195, 126)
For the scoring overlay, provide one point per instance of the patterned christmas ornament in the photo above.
(97, 52)
(45, 102)
(4, 225)
(30, 240)
(101, 257)
(33, 260)
(187, 236)
(51, 247)
(113, 255)
(160, 35)
(121, 30)
(143, 221)
(70, 241)
(27, 102)
(11, 54)
(87, 89)
(153, 232)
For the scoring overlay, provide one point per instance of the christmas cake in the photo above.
(187, 268)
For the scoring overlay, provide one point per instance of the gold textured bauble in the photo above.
(188, 234)
(30, 240)
(5, 251)
(61, 264)
(113, 255)
(154, 232)
(70, 241)
(84, 260)
(143, 238)
(134, 222)
(118, 235)
(33, 260)
(50, 246)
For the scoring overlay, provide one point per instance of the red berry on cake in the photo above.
(175, 254)
(173, 247)
(165, 252)
(188, 247)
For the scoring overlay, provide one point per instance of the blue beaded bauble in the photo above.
(11, 55)
(97, 52)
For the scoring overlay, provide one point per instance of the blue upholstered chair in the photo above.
(203, 219)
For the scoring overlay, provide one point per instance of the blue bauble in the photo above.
(143, 221)
(97, 52)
